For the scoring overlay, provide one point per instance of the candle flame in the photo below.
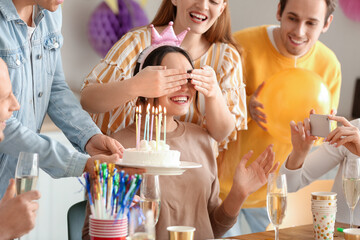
(156, 111)
(164, 110)
(137, 109)
(148, 108)
(152, 110)
(140, 109)
(160, 111)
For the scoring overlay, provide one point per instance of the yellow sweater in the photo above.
(261, 61)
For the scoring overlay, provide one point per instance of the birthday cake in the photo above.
(150, 154)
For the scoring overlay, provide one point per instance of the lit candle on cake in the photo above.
(136, 126)
(146, 131)
(139, 126)
(156, 128)
(152, 122)
(164, 124)
(160, 120)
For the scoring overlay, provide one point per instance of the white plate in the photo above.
(163, 170)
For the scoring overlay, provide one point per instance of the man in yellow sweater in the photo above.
(267, 51)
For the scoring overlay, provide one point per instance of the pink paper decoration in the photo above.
(351, 9)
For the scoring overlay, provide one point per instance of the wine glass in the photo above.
(27, 172)
(351, 184)
(141, 225)
(276, 200)
(150, 195)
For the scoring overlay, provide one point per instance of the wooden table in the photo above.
(304, 232)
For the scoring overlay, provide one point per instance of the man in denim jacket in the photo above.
(30, 42)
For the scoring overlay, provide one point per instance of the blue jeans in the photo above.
(250, 220)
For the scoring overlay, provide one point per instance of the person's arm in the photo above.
(219, 120)
(302, 142)
(246, 181)
(110, 84)
(65, 111)
(17, 213)
(249, 179)
(225, 97)
(151, 82)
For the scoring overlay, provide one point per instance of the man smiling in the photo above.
(267, 51)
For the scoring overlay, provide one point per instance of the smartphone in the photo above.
(319, 125)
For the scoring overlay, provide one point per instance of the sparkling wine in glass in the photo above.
(150, 195)
(351, 184)
(276, 200)
(27, 172)
(141, 225)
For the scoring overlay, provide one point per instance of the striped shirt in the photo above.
(119, 65)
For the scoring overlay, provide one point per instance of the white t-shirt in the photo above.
(316, 164)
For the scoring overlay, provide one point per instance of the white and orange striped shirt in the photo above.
(119, 65)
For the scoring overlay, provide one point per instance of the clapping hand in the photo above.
(254, 108)
(249, 179)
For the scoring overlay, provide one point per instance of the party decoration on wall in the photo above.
(113, 6)
(351, 8)
(106, 27)
(290, 95)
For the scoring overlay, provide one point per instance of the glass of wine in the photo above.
(150, 195)
(141, 225)
(27, 172)
(276, 200)
(351, 184)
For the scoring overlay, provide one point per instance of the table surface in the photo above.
(304, 232)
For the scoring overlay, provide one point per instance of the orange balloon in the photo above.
(290, 95)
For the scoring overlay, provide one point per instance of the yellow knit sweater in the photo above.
(261, 61)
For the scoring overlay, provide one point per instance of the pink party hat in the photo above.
(167, 37)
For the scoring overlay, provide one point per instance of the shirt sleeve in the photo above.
(65, 111)
(316, 164)
(54, 158)
(118, 65)
(221, 222)
(231, 82)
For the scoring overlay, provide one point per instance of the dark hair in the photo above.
(154, 59)
(330, 7)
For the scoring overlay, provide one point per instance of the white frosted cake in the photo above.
(148, 155)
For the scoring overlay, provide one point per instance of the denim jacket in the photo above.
(38, 83)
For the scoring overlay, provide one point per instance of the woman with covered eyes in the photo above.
(110, 91)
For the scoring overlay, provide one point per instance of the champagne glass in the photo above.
(351, 184)
(276, 200)
(27, 172)
(141, 225)
(150, 195)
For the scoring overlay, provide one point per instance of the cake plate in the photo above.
(162, 170)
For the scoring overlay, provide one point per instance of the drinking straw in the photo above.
(88, 187)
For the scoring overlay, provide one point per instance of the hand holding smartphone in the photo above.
(319, 125)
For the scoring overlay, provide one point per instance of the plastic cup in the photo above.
(352, 234)
(106, 229)
(181, 232)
